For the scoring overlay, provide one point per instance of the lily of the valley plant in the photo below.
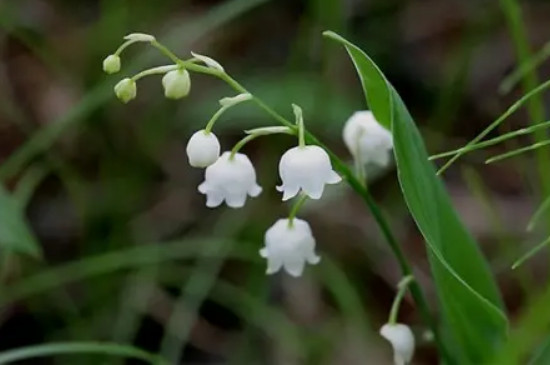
(230, 177)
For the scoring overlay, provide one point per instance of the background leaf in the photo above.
(15, 235)
(470, 301)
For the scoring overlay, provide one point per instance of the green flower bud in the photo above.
(126, 90)
(111, 64)
(176, 83)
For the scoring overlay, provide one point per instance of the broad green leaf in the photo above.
(15, 235)
(470, 301)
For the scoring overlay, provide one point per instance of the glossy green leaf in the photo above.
(470, 301)
(15, 235)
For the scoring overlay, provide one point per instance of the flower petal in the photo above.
(274, 264)
(235, 200)
(333, 178)
(314, 189)
(255, 190)
(213, 200)
(289, 192)
(294, 265)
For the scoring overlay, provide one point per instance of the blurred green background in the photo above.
(110, 197)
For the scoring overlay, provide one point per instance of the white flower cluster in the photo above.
(230, 176)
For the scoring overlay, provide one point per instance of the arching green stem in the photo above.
(402, 289)
(295, 208)
(214, 118)
(155, 71)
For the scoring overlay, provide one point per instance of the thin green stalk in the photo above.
(531, 253)
(401, 290)
(491, 142)
(123, 46)
(214, 118)
(519, 151)
(535, 106)
(167, 52)
(241, 144)
(72, 348)
(155, 71)
(514, 107)
(295, 208)
(530, 66)
(538, 214)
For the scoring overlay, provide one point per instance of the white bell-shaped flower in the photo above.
(402, 340)
(126, 90)
(203, 149)
(367, 140)
(176, 84)
(230, 179)
(307, 168)
(289, 246)
(111, 64)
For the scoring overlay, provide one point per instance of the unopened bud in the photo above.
(111, 64)
(176, 83)
(126, 90)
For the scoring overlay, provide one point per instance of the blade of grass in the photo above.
(530, 253)
(491, 142)
(535, 107)
(519, 73)
(513, 108)
(134, 257)
(519, 151)
(72, 348)
(538, 214)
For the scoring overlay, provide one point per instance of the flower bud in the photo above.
(176, 83)
(126, 90)
(289, 246)
(402, 340)
(111, 64)
(203, 149)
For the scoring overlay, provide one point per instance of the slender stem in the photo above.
(529, 66)
(540, 211)
(155, 71)
(530, 253)
(491, 142)
(517, 152)
(214, 118)
(123, 46)
(402, 289)
(166, 51)
(295, 208)
(300, 123)
(241, 143)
